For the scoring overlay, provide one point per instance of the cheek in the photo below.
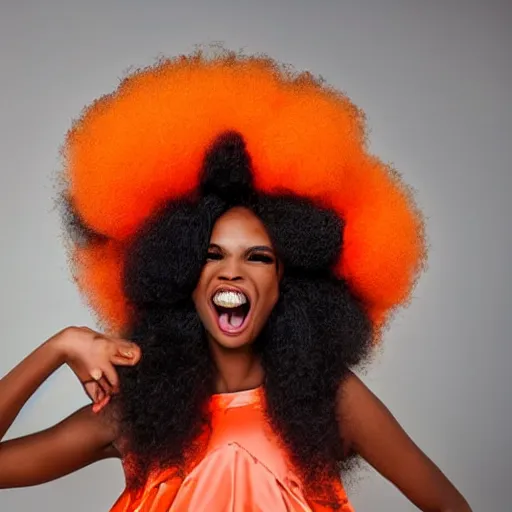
(275, 298)
(271, 294)
(196, 298)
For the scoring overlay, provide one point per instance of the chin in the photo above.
(231, 342)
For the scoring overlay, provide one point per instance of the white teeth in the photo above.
(229, 299)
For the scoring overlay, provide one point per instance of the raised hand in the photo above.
(93, 357)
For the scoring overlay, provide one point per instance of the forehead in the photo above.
(239, 226)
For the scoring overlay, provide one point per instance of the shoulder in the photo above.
(369, 429)
(351, 390)
(361, 413)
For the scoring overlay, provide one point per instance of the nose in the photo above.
(230, 271)
(223, 277)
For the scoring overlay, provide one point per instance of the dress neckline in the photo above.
(237, 398)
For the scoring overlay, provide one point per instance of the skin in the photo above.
(240, 257)
(90, 434)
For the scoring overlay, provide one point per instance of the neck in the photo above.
(237, 369)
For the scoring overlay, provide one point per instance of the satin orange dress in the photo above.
(242, 470)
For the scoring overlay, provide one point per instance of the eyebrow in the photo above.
(262, 248)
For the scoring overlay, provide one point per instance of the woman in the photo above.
(226, 218)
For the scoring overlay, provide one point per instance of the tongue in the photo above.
(231, 321)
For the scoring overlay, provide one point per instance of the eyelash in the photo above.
(261, 258)
(213, 256)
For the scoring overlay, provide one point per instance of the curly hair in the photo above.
(141, 214)
(316, 332)
(143, 145)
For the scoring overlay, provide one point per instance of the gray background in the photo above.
(435, 80)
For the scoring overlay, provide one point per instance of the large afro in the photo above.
(149, 170)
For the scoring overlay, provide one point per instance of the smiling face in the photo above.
(239, 284)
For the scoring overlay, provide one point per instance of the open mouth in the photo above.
(232, 308)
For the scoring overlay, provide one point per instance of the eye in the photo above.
(262, 258)
(213, 256)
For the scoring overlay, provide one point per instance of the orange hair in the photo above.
(144, 144)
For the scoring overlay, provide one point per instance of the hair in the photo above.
(316, 332)
(140, 216)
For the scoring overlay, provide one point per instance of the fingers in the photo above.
(99, 376)
(97, 407)
(96, 374)
(106, 385)
(120, 360)
(94, 364)
(111, 379)
(104, 378)
(103, 382)
(125, 351)
(97, 394)
(100, 394)
(91, 388)
(127, 354)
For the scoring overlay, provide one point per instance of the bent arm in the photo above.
(372, 432)
(79, 440)
(24, 379)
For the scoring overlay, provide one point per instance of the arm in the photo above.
(372, 432)
(79, 440)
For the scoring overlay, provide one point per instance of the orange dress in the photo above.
(243, 469)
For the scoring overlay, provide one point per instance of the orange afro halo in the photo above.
(143, 145)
